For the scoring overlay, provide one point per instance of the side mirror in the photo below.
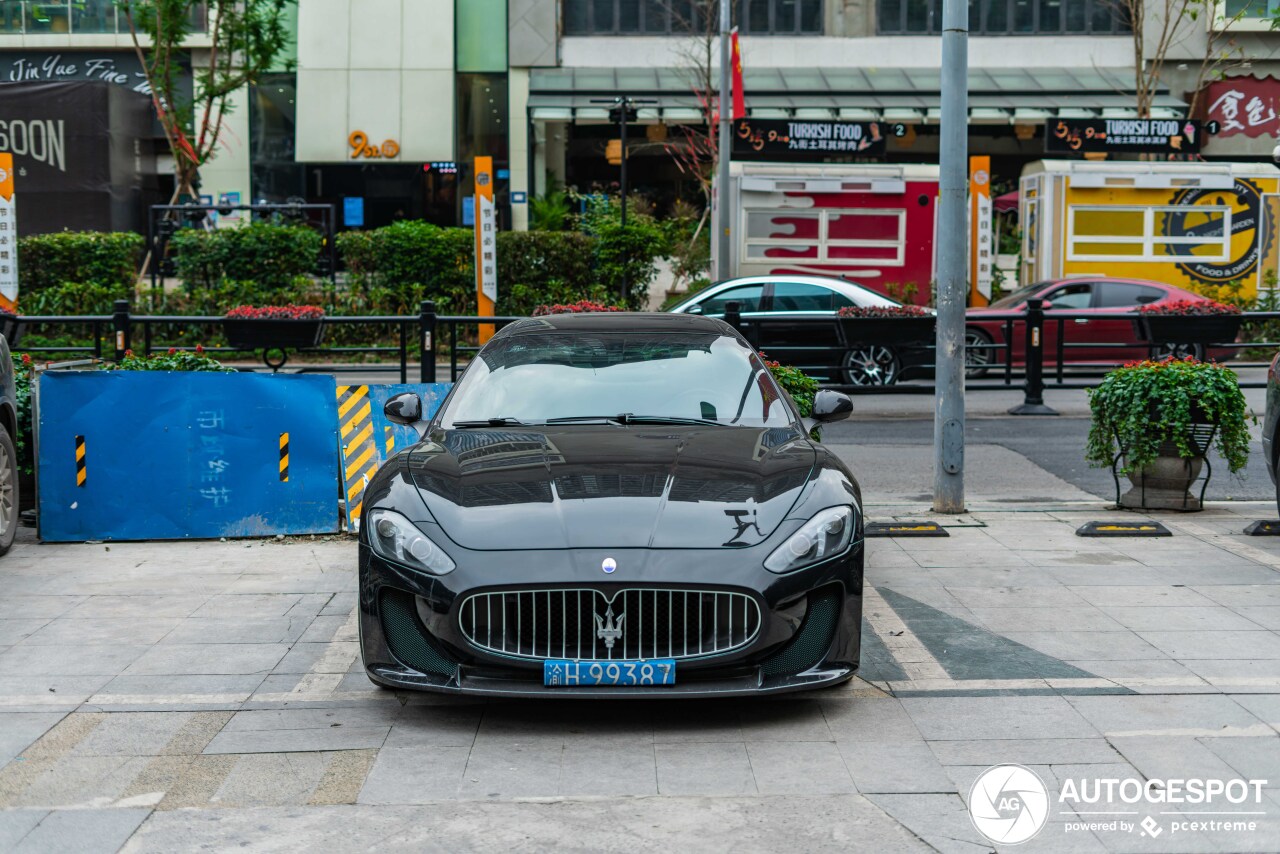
(404, 408)
(831, 406)
(1045, 305)
(694, 309)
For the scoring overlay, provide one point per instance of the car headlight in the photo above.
(826, 534)
(396, 538)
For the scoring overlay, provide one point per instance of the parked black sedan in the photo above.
(613, 505)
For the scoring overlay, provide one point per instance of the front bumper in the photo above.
(411, 639)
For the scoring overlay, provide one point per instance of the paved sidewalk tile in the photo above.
(416, 775)
(968, 718)
(894, 768)
(1187, 714)
(82, 831)
(227, 658)
(799, 767)
(703, 768)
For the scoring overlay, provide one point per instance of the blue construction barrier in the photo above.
(141, 455)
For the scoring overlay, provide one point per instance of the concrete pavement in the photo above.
(165, 696)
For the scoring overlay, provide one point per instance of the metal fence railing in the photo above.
(1030, 348)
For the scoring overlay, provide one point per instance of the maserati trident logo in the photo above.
(608, 630)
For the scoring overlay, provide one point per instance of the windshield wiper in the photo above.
(628, 418)
(490, 422)
(588, 419)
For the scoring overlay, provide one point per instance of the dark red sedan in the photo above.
(1102, 314)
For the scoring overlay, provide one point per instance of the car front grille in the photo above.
(634, 623)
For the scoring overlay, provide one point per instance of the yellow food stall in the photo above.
(1193, 225)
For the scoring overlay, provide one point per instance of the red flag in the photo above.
(739, 97)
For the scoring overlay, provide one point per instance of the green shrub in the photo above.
(631, 251)
(272, 255)
(107, 259)
(173, 360)
(22, 407)
(75, 298)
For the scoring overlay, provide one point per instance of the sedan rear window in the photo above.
(531, 378)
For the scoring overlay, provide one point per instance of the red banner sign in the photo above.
(1247, 105)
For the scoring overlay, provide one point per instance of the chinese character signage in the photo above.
(981, 259)
(486, 225)
(794, 139)
(8, 235)
(1247, 105)
(1113, 136)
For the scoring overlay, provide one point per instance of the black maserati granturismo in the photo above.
(613, 505)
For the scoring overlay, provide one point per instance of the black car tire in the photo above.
(979, 355)
(8, 491)
(1179, 351)
(870, 365)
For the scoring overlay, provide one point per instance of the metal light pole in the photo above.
(723, 236)
(953, 246)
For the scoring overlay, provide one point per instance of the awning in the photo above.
(999, 96)
(1007, 202)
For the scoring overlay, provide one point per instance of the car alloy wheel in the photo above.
(1179, 351)
(870, 365)
(8, 491)
(978, 353)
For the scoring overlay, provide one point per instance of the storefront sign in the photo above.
(361, 147)
(8, 235)
(981, 259)
(118, 69)
(1249, 240)
(797, 139)
(1149, 136)
(353, 211)
(486, 244)
(1247, 105)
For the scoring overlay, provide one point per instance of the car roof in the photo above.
(844, 286)
(617, 321)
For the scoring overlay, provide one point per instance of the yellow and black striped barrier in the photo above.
(284, 456)
(359, 452)
(81, 473)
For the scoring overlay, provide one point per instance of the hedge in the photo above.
(270, 254)
(398, 266)
(105, 259)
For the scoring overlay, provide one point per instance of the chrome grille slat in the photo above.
(645, 622)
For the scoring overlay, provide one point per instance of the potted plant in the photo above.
(1188, 321)
(273, 326)
(173, 360)
(580, 307)
(1155, 421)
(885, 324)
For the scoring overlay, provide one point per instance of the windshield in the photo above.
(1021, 295)
(532, 378)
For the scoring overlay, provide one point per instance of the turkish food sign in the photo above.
(792, 139)
(1245, 105)
(1107, 136)
(8, 235)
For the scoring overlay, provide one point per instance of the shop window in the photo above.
(665, 17)
(827, 235)
(1149, 234)
(69, 17)
(1246, 14)
(1010, 17)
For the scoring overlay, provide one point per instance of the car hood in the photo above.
(607, 486)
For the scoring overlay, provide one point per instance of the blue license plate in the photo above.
(562, 673)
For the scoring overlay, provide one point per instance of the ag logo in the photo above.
(1009, 804)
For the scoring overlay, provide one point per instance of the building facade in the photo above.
(382, 104)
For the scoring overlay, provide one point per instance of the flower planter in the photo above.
(886, 330)
(253, 334)
(11, 329)
(1188, 329)
(1165, 482)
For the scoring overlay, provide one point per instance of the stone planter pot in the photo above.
(886, 330)
(1165, 482)
(255, 334)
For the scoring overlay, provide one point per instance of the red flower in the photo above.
(1189, 308)
(883, 311)
(173, 350)
(26, 358)
(128, 352)
(276, 312)
(579, 307)
(199, 349)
